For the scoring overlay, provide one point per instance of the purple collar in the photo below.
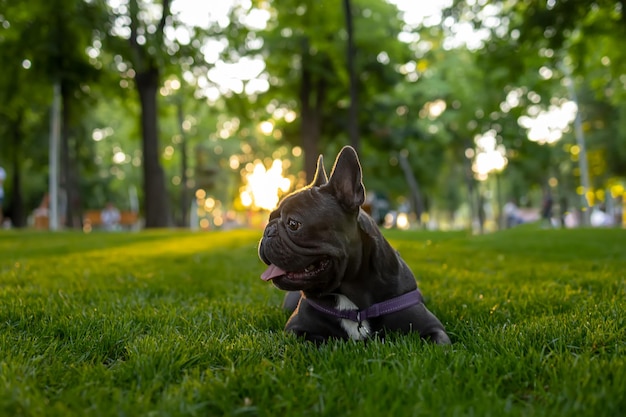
(376, 310)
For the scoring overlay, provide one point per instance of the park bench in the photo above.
(92, 220)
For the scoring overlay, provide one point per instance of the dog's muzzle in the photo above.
(271, 230)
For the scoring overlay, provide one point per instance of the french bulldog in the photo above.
(344, 280)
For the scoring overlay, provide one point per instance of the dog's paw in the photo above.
(440, 337)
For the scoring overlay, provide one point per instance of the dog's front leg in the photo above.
(309, 324)
(292, 298)
(418, 319)
(429, 327)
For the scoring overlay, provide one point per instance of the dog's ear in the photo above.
(320, 177)
(346, 179)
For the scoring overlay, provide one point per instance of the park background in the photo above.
(202, 114)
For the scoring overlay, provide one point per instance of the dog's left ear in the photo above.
(320, 173)
(346, 179)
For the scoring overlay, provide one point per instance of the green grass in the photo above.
(171, 323)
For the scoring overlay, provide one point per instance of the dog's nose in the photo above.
(270, 230)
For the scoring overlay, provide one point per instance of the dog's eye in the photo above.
(293, 224)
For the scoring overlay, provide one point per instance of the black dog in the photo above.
(344, 279)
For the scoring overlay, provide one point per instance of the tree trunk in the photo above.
(310, 130)
(69, 175)
(353, 123)
(184, 199)
(18, 216)
(309, 144)
(470, 182)
(500, 218)
(16, 208)
(147, 81)
(417, 202)
(155, 195)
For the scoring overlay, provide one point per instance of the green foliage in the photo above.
(315, 36)
(171, 323)
(86, 43)
(529, 45)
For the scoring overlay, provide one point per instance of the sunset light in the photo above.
(490, 156)
(263, 186)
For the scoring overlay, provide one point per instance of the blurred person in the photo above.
(482, 214)
(618, 213)
(546, 209)
(110, 217)
(512, 214)
(599, 217)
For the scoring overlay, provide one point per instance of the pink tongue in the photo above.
(272, 271)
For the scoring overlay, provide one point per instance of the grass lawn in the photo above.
(168, 323)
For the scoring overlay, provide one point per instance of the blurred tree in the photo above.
(149, 44)
(18, 100)
(45, 43)
(353, 123)
(424, 95)
(307, 42)
(136, 34)
(529, 43)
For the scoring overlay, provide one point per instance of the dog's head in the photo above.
(312, 240)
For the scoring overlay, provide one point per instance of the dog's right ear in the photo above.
(320, 177)
(346, 179)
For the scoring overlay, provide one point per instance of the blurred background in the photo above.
(479, 114)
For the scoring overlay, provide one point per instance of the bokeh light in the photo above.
(489, 156)
(263, 186)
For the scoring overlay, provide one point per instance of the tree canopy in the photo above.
(164, 98)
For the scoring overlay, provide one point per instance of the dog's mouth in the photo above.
(310, 271)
